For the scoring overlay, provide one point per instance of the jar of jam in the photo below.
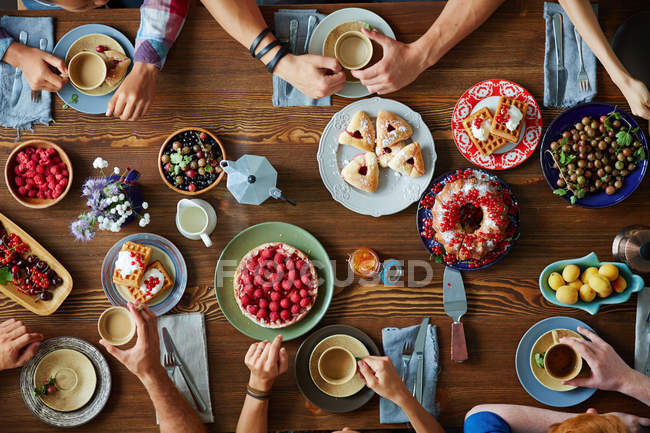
(364, 262)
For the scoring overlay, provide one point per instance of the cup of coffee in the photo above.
(561, 361)
(116, 326)
(353, 50)
(87, 70)
(337, 365)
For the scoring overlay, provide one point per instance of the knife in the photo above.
(310, 29)
(18, 79)
(171, 349)
(419, 354)
(647, 363)
(455, 303)
(561, 72)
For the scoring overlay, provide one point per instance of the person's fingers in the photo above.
(369, 75)
(591, 335)
(592, 410)
(378, 37)
(119, 105)
(644, 112)
(110, 109)
(265, 353)
(250, 352)
(284, 361)
(56, 62)
(137, 113)
(26, 339)
(258, 350)
(145, 109)
(367, 374)
(587, 382)
(330, 63)
(8, 324)
(581, 346)
(645, 422)
(117, 353)
(49, 87)
(140, 322)
(17, 332)
(28, 353)
(274, 351)
(376, 363)
(11, 324)
(128, 108)
(53, 79)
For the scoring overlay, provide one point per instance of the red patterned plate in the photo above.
(486, 94)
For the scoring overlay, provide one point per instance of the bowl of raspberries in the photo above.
(38, 174)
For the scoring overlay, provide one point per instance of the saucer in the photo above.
(541, 346)
(99, 395)
(89, 43)
(348, 388)
(330, 43)
(169, 256)
(75, 379)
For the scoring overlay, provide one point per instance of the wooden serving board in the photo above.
(33, 303)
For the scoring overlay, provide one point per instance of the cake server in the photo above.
(560, 72)
(455, 303)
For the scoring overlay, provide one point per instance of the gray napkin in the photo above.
(284, 94)
(393, 341)
(641, 347)
(188, 332)
(573, 95)
(25, 113)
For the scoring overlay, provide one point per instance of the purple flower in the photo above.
(112, 189)
(81, 229)
(93, 184)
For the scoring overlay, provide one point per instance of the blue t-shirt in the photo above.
(486, 422)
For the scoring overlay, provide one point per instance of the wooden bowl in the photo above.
(32, 303)
(36, 203)
(162, 173)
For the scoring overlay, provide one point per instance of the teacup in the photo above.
(87, 70)
(116, 326)
(561, 361)
(353, 50)
(337, 365)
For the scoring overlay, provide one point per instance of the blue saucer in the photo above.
(565, 121)
(86, 103)
(522, 363)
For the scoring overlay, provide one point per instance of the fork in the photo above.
(170, 365)
(36, 94)
(407, 352)
(583, 79)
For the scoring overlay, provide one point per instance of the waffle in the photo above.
(499, 129)
(134, 278)
(139, 295)
(493, 142)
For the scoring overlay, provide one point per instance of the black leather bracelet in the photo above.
(258, 397)
(266, 49)
(257, 41)
(283, 51)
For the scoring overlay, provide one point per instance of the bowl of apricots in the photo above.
(587, 283)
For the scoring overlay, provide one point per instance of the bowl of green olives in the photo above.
(594, 155)
(189, 159)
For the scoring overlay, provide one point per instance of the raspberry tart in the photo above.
(275, 285)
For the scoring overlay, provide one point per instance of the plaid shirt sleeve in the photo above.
(5, 41)
(161, 22)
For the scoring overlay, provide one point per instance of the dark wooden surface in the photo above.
(211, 82)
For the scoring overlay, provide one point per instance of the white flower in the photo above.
(114, 199)
(128, 213)
(115, 227)
(145, 205)
(147, 216)
(127, 203)
(113, 210)
(100, 163)
(121, 196)
(116, 170)
(100, 218)
(142, 222)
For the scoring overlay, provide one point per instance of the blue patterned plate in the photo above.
(525, 373)
(565, 121)
(89, 104)
(424, 213)
(77, 417)
(164, 251)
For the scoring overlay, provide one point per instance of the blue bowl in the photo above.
(634, 283)
(565, 121)
(423, 213)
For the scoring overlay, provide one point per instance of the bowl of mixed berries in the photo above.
(38, 174)
(189, 161)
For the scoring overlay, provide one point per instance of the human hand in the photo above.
(35, 65)
(378, 372)
(315, 76)
(133, 98)
(636, 424)
(400, 65)
(345, 429)
(608, 371)
(266, 361)
(637, 96)
(17, 344)
(143, 359)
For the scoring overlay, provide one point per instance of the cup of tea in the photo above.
(337, 365)
(116, 326)
(87, 70)
(353, 50)
(561, 361)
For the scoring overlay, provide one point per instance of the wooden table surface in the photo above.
(210, 81)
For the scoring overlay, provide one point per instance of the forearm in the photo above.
(175, 415)
(421, 420)
(253, 417)
(161, 22)
(14, 53)
(524, 419)
(584, 19)
(458, 19)
(637, 385)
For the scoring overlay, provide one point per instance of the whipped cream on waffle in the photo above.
(152, 282)
(515, 117)
(483, 131)
(126, 263)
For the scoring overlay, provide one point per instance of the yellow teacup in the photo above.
(353, 50)
(87, 70)
(116, 326)
(337, 365)
(562, 361)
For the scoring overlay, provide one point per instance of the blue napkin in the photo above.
(573, 94)
(25, 113)
(393, 341)
(284, 94)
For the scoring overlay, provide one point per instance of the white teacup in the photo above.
(196, 219)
